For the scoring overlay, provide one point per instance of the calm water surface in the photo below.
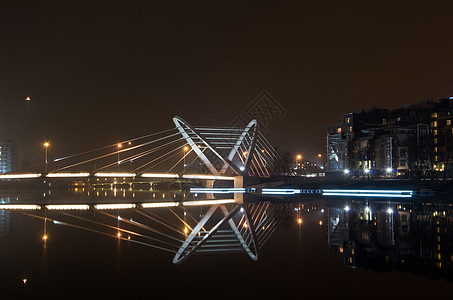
(320, 248)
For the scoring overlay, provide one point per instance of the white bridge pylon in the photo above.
(240, 145)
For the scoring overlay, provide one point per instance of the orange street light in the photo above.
(46, 145)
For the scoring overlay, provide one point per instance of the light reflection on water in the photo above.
(121, 246)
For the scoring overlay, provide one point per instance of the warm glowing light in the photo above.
(186, 148)
(195, 176)
(24, 280)
(105, 174)
(44, 237)
(186, 230)
(299, 156)
(244, 153)
(46, 144)
(159, 204)
(299, 221)
(19, 206)
(119, 145)
(115, 206)
(64, 175)
(68, 207)
(27, 99)
(20, 176)
(320, 223)
(245, 225)
(159, 175)
(118, 234)
(319, 155)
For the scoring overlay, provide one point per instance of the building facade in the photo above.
(8, 156)
(416, 140)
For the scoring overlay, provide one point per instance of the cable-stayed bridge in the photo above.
(158, 175)
(180, 190)
(184, 149)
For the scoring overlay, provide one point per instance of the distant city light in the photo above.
(389, 170)
(346, 208)
(346, 171)
(389, 210)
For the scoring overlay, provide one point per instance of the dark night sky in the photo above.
(99, 72)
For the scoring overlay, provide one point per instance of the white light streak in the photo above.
(159, 204)
(114, 206)
(19, 176)
(369, 193)
(67, 175)
(105, 174)
(68, 206)
(20, 206)
(281, 191)
(159, 175)
(218, 190)
(214, 177)
(208, 202)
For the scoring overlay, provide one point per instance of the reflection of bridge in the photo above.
(201, 156)
(207, 226)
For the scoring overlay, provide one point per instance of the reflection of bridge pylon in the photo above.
(240, 229)
(220, 228)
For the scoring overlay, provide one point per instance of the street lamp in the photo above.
(119, 146)
(186, 148)
(298, 157)
(46, 145)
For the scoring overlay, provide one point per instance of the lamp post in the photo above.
(46, 145)
(184, 158)
(298, 158)
(119, 146)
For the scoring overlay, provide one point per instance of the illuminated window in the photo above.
(435, 149)
(448, 122)
(350, 128)
(435, 139)
(434, 131)
(339, 130)
(384, 121)
(434, 115)
(348, 120)
(435, 123)
(435, 158)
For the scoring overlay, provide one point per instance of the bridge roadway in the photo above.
(114, 174)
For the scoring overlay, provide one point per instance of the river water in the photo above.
(308, 247)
